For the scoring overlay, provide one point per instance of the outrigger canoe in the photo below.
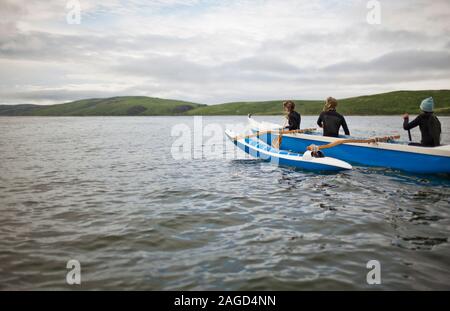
(306, 161)
(395, 155)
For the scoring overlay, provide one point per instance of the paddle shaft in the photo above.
(274, 132)
(406, 118)
(347, 141)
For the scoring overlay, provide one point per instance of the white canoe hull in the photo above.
(261, 150)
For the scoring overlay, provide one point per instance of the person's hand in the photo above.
(406, 116)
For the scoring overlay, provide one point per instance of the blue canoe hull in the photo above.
(407, 161)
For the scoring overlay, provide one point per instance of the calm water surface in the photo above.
(108, 192)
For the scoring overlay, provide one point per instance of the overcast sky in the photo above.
(218, 51)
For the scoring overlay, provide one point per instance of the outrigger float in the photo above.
(307, 160)
(379, 152)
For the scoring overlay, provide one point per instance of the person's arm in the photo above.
(320, 121)
(286, 123)
(345, 127)
(410, 125)
(290, 123)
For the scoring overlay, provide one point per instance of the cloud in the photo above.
(54, 95)
(181, 69)
(400, 61)
(214, 51)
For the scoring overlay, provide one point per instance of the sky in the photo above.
(212, 52)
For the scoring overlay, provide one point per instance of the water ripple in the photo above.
(106, 191)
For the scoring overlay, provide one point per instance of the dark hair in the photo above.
(290, 105)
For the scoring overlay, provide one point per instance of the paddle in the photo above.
(346, 141)
(274, 132)
(409, 131)
(276, 142)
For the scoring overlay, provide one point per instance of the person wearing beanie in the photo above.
(429, 124)
(330, 120)
(293, 117)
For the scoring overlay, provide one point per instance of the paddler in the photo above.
(293, 117)
(429, 124)
(330, 120)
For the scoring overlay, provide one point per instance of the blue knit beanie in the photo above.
(427, 104)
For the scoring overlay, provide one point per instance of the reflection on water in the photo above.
(418, 242)
(107, 192)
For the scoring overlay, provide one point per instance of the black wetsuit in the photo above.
(430, 127)
(294, 120)
(331, 121)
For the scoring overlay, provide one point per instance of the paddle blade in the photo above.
(275, 143)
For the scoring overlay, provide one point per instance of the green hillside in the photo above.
(379, 104)
(395, 103)
(119, 106)
(17, 110)
(261, 108)
(114, 106)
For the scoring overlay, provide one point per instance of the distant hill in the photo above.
(17, 110)
(114, 106)
(380, 104)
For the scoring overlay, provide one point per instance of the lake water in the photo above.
(111, 193)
